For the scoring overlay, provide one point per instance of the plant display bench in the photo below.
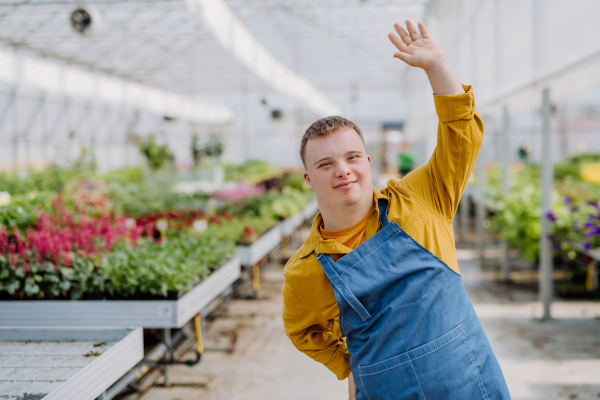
(593, 260)
(292, 224)
(143, 313)
(310, 210)
(250, 256)
(63, 363)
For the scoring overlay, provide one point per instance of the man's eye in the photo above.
(352, 157)
(325, 164)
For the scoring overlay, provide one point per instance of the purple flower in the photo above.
(586, 246)
(575, 225)
(567, 200)
(551, 216)
(588, 224)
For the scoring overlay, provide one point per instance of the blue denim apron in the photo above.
(411, 330)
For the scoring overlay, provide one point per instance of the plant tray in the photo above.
(250, 255)
(289, 225)
(144, 313)
(65, 363)
(310, 210)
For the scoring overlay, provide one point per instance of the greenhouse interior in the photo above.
(175, 176)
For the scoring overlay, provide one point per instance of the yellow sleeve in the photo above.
(442, 181)
(312, 334)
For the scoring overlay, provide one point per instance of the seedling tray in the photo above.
(65, 363)
(250, 255)
(310, 210)
(143, 313)
(289, 225)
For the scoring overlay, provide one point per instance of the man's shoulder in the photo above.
(301, 264)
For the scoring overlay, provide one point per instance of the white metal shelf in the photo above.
(65, 363)
(144, 313)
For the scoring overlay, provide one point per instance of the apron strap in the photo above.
(383, 215)
(327, 263)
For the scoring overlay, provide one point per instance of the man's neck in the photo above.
(337, 218)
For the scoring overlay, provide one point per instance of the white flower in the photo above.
(4, 199)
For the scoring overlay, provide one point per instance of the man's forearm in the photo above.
(443, 80)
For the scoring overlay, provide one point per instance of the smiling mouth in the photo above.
(345, 185)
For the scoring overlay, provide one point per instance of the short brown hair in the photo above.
(324, 127)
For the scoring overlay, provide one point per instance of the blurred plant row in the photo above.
(73, 233)
(575, 216)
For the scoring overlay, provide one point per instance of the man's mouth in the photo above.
(345, 185)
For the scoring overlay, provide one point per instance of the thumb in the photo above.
(407, 58)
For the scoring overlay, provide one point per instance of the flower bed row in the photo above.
(575, 218)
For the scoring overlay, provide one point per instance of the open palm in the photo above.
(414, 49)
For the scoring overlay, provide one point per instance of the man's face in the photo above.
(338, 169)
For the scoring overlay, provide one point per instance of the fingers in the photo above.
(424, 33)
(414, 35)
(403, 35)
(400, 45)
(403, 56)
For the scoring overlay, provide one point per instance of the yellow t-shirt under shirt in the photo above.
(350, 237)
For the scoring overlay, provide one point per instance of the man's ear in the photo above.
(369, 158)
(306, 178)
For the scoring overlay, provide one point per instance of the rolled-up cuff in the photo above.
(339, 365)
(455, 107)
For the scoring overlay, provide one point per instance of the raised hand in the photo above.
(416, 50)
(422, 52)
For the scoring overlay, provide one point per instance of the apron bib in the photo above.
(411, 330)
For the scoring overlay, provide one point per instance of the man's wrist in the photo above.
(443, 80)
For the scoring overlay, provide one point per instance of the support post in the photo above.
(480, 209)
(464, 218)
(256, 278)
(285, 248)
(504, 246)
(168, 355)
(546, 267)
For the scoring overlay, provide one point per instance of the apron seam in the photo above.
(364, 387)
(411, 351)
(356, 263)
(383, 370)
(420, 387)
(436, 349)
(434, 257)
(481, 387)
(342, 293)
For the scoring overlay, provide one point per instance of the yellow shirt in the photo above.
(423, 203)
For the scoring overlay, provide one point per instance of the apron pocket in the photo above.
(390, 380)
(442, 369)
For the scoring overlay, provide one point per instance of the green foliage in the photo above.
(569, 169)
(177, 264)
(124, 175)
(213, 148)
(242, 231)
(516, 215)
(134, 199)
(272, 205)
(23, 210)
(47, 282)
(157, 156)
(52, 179)
(295, 180)
(253, 171)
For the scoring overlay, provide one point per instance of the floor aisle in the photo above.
(546, 361)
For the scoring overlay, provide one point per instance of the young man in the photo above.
(375, 293)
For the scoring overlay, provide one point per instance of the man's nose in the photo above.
(342, 171)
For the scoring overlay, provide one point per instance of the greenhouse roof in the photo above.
(334, 44)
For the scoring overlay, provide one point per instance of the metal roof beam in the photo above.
(28, 72)
(231, 33)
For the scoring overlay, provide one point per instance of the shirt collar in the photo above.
(314, 242)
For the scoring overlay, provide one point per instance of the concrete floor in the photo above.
(559, 359)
